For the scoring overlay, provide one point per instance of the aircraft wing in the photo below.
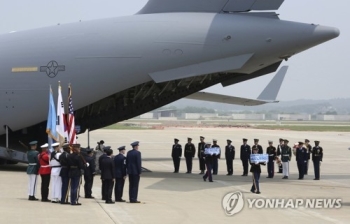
(214, 6)
(268, 95)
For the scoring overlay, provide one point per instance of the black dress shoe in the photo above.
(258, 192)
(204, 179)
(135, 201)
(242, 175)
(54, 201)
(317, 179)
(211, 181)
(110, 202)
(45, 200)
(90, 197)
(121, 200)
(252, 191)
(65, 203)
(76, 204)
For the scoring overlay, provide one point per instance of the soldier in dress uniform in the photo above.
(120, 174)
(44, 171)
(301, 158)
(286, 156)
(279, 150)
(102, 157)
(190, 152)
(230, 156)
(64, 173)
(216, 158)
(176, 154)
(208, 162)
(133, 166)
(271, 151)
(317, 156)
(308, 152)
(108, 175)
(32, 170)
(255, 169)
(259, 147)
(89, 173)
(245, 156)
(56, 180)
(201, 146)
(76, 164)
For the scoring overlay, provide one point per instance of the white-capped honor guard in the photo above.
(32, 170)
(56, 180)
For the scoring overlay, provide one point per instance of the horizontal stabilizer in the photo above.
(214, 6)
(271, 90)
(220, 65)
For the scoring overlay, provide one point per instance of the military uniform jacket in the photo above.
(317, 153)
(177, 151)
(55, 163)
(33, 162)
(301, 155)
(120, 166)
(230, 152)
(255, 167)
(64, 164)
(133, 162)
(100, 160)
(89, 170)
(76, 164)
(44, 163)
(279, 150)
(245, 152)
(271, 151)
(201, 149)
(107, 169)
(217, 146)
(260, 149)
(190, 150)
(308, 151)
(286, 153)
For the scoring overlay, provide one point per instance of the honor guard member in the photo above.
(102, 157)
(317, 156)
(108, 175)
(32, 170)
(208, 162)
(308, 148)
(272, 152)
(133, 166)
(301, 158)
(44, 171)
(255, 169)
(286, 155)
(245, 156)
(120, 174)
(64, 173)
(176, 153)
(216, 158)
(56, 180)
(190, 152)
(279, 150)
(99, 151)
(75, 166)
(89, 173)
(230, 156)
(259, 147)
(201, 146)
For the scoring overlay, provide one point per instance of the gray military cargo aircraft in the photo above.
(122, 67)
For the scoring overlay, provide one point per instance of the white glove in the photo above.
(87, 164)
(256, 163)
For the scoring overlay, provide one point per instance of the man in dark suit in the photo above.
(201, 146)
(190, 152)
(301, 158)
(259, 147)
(176, 153)
(317, 156)
(89, 173)
(108, 175)
(133, 166)
(120, 174)
(230, 156)
(245, 156)
(102, 157)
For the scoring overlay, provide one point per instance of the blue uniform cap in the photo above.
(106, 148)
(121, 148)
(176, 140)
(33, 143)
(134, 144)
(88, 150)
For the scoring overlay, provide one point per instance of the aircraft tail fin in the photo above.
(214, 6)
(271, 90)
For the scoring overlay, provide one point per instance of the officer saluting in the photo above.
(120, 174)
(245, 156)
(75, 166)
(230, 156)
(32, 170)
(301, 158)
(201, 146)
(133, 166)
(176, 153)
(271, 151)
(190, 151)
(64, 173)
(317, 156)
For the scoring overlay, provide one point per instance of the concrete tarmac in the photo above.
(186, 198)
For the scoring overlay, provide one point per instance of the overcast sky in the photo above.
(319, 73)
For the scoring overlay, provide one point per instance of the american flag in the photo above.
(71, 122)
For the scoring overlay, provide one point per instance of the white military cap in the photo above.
(44, 146)
(55, 144)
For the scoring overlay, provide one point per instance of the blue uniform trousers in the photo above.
(64, 191)
(133, 187)
(74, 184)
